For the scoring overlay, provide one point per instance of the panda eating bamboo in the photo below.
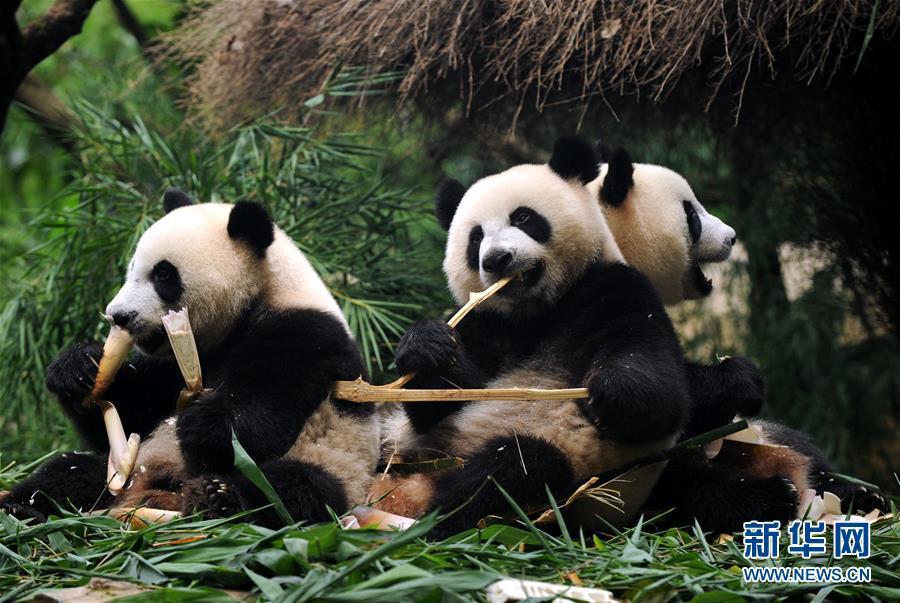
(271, 341)
(576, 316)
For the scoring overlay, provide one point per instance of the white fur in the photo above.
(566, 205)
(651, 229)
(221, 276)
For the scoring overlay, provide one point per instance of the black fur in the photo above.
(275, 370)
(574, 158)
(719, 392)
(702, 284)
(521, 466)
(174, 198)
(167, 281)
(250, 222)
(720, 497)
(306, 490)
(474, 247)
(822, 472)
(71, 481)
(619, 178)
(449, 193)
(531, 223)
(695, 228)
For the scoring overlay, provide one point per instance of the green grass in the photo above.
(325, 563)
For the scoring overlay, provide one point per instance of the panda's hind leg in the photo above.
(721, 497)
(521, 465)
(71, 480)
(306, 490)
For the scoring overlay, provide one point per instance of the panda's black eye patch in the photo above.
(693, 221)
(531, 223)
(474, 247)
(166, 281)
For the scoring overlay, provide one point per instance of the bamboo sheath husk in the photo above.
(184, 346)
(361, 391)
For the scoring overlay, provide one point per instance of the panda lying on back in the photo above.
(664, 231)
(575, 317)
(271, 341)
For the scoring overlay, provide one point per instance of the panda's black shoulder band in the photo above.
(574, 157)
(251, 223)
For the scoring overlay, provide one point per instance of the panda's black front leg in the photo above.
(637, 397)
(433, 351)
(722, 391)
(144, 390)
(263, 421)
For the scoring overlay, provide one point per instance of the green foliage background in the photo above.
(354, 189)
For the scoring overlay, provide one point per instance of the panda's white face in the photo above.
(529, 222)
(665, 232)
(187, 259)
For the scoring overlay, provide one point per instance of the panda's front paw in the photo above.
(428, 346)
(71, 376)
(745, 386)
(23, 512)
(204, 435)
(213, 496)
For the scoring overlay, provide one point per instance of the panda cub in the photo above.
(271, 341)
(576, 316)
(664, 231)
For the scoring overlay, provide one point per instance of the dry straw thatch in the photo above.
(261, 55)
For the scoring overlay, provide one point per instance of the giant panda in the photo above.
(664, 232)
(575, 316)
(271, 341)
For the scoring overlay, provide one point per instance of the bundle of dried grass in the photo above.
(272, 55)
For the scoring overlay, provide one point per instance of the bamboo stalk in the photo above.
(475, 300)
(360, 391)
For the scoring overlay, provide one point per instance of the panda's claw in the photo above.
(213, 497)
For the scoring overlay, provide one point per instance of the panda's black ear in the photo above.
(449, 193)
(174, 198)
(618, 180)
(251, 223)
(574, 157)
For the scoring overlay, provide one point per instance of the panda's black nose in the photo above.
(733, 240)
(124, 319)
(496, 261)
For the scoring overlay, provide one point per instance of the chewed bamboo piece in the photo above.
(122, 450)
(139, 517)
(181, 338)
(361, 391)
